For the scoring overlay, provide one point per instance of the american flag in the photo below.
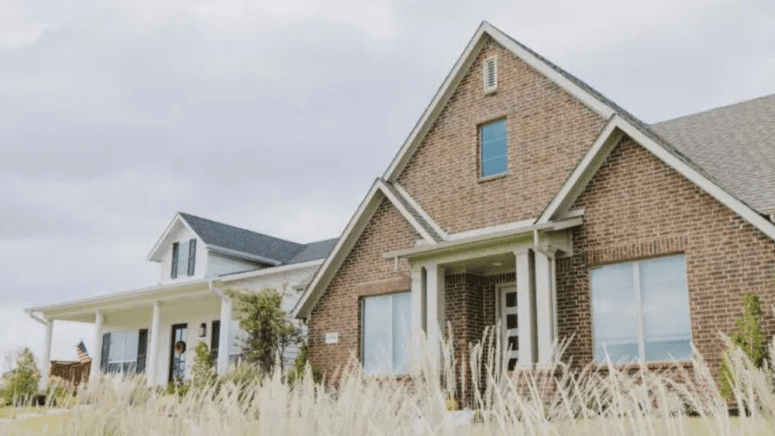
(83, 356)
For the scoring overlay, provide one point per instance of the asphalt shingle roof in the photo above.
(256, 244)
(735, 144)
(415, 214)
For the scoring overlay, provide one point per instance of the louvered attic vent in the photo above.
(490, 74)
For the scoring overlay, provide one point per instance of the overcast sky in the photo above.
(277, 116)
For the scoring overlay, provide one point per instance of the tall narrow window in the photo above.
(641, 311)
(182, 259)
(175, 255)
(493, 148)
(490, 74)
(386, 338)
(191, 256)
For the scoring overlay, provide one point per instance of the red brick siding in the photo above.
(635, 207)
(548, 132)
(363, 272)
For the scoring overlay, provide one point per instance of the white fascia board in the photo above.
(550, 73)
(490, 230)
(596, 156)
(459, 70)
(226, 278)
(160, 242)
(408, 216)
(404, 193)
(582, 174)
(436, 105)
(350, 235)
(242, 255)
(117, 297)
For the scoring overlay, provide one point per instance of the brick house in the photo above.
(525, 196)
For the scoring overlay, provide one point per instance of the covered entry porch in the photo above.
(150, 330)
(504, 276)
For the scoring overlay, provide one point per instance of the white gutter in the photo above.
(242, 255)
(482, 239)
(35, 317)
(268, 271)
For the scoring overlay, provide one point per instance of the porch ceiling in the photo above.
(485, 266)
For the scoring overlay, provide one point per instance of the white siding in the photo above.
(182, 235)
(218, 264)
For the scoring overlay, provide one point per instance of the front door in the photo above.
(508, 305)
(178, 352)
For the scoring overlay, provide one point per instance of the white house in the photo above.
(155, 329)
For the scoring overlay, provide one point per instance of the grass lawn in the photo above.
(30, 420)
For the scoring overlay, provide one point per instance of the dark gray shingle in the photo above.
(314, 251)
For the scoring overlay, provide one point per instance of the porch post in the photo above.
(96, 360)
(417, 315)
(46, 364)
(545, 306)
(225, 335)
(152, 362)
(435, 307)
(525, 308)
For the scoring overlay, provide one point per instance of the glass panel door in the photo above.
(509, 322)
(178, 353)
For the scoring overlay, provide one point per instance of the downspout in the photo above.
(35, 317)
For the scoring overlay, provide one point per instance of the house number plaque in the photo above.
(332, 338)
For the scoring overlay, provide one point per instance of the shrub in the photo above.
(748, 338)
(269, 330)
(296, 375)
(202, 373)
(22, 382)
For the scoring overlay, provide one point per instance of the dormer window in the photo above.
(490, 74)
(183, 258)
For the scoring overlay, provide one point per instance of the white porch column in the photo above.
(525, 308)
(45, 365)
(418, 306)
(96, 360)
(545, 306)
(152, 360)
(225, 335)
(435, 316)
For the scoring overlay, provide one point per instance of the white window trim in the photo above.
(639, 308)
(392, 372)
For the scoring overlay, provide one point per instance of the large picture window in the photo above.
(122, 354)
(641, 311)
(386, 340)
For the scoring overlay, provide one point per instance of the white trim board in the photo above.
(460, 69)
(596, 156)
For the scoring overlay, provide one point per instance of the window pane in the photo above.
(666, 324)
(376, 335)
(494, 148)
(130, 346)
(182, 259)
(614, 313)
(401, 341)
(116, 351)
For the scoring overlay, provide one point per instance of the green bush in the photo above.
(22, 382)
(748, 338)
(202, 373)
(296, 375)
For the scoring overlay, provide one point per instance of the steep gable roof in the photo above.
(735, 145)
(219, 235)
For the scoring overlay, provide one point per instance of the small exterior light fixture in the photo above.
(202, 330)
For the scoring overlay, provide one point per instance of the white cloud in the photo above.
(17, 29)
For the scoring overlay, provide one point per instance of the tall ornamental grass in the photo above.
(567, 401)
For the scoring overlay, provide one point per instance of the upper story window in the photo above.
(183, 258)
(640, 311)
(493, 148)
(386, 340)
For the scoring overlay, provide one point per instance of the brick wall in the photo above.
(364, 272)
(637, 207)
(548, 132)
